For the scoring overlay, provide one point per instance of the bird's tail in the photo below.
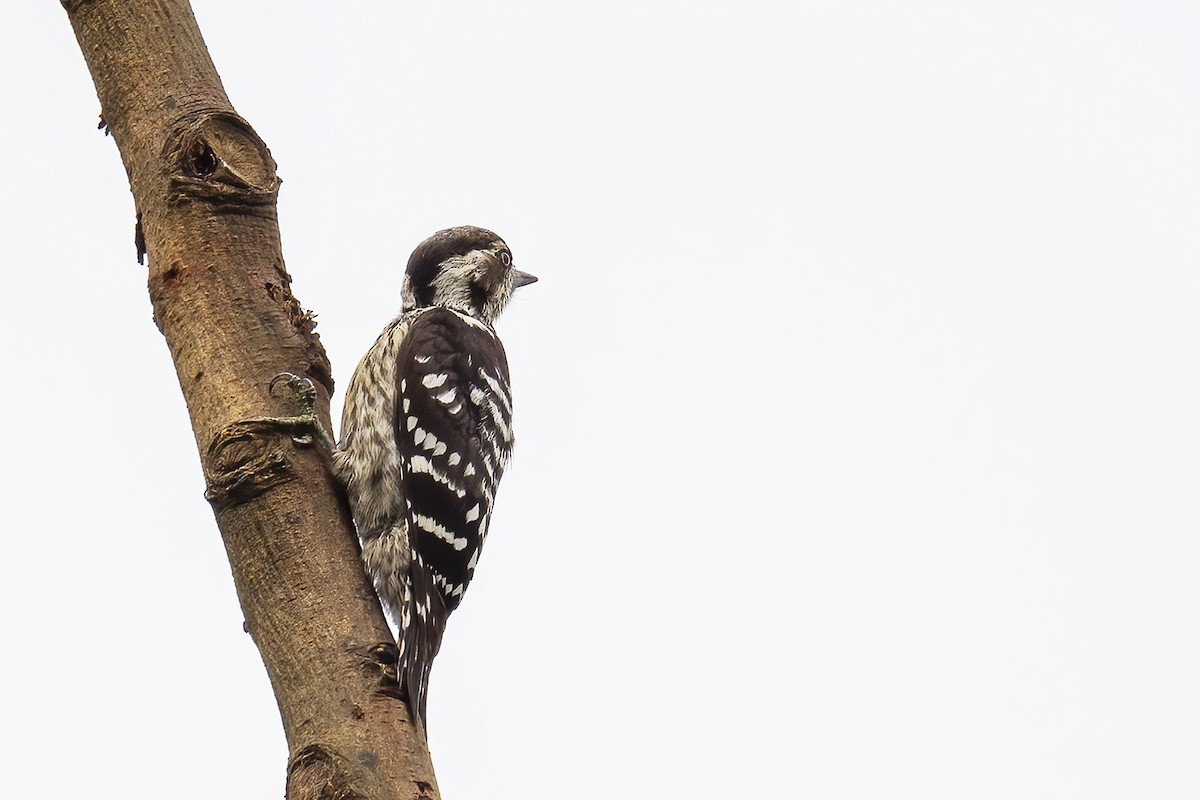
(421, 638)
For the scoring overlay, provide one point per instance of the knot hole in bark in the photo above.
(202, 162)
(318, 772)
(243, 461)
(218, 157)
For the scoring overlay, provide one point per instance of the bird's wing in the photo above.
(454, 433)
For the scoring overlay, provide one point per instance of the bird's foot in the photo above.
(380, 660)
(306, 426)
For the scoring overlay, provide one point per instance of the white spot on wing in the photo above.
(433, 381)
(431, 525)
(422, 465)
(499, 419)
(497, 389)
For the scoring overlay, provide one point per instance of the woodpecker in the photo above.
(426, 434)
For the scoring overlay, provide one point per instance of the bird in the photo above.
(426, 435)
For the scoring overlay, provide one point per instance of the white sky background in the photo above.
(856, 406)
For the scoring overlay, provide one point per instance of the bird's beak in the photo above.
(522, 278)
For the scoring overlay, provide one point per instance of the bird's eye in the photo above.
(505, 258)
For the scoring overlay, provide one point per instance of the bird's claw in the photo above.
(304, 388)
(306, 397)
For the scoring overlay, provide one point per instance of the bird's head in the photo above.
(467, 269)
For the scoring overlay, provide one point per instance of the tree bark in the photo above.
(205, 190)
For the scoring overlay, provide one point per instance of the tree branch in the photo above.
(205, 188)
